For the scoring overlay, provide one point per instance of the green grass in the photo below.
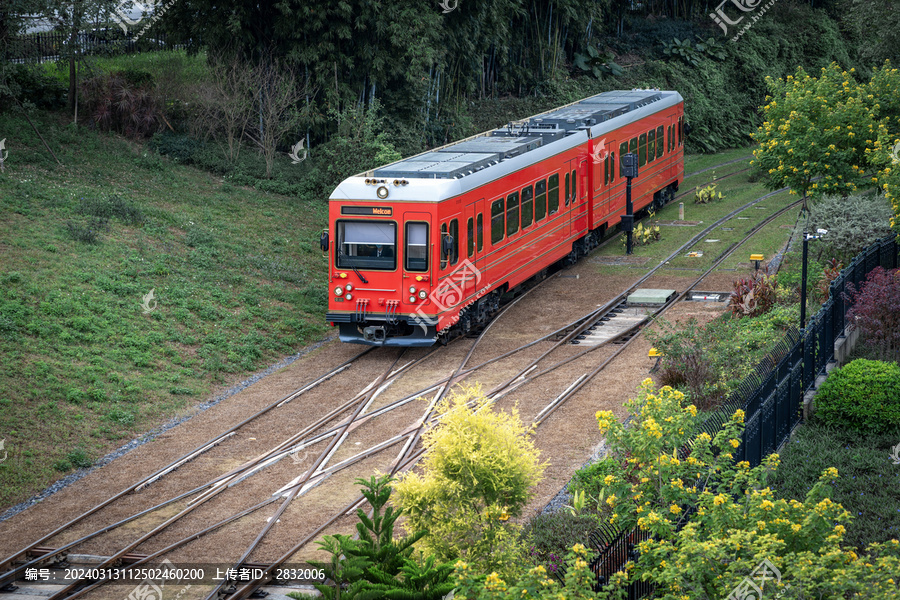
(237, 277)
(868, 483)
(737, 191)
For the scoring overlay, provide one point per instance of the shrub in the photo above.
(88, 232)
(478, 469)
(550, 536)
(831, 272)
(124, 102)
(876, 311)
(853, 223)
(708, 194)
(753, 296)
(114, 206)
(863, 395)
(588, 479)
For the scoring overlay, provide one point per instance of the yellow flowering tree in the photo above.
(816, 128)
(477, 473)
(536, 585)
(650, 485)
(731, 535)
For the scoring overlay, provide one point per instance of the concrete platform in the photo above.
(650, 297)
(618, 324)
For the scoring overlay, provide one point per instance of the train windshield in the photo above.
(366, 245)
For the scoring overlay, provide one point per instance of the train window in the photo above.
(669, 139)
(479, 231)
(497, 223)
(659, 141)
(512, 213)
(623, 148)
(642, 150)
(470, 237)
(574, 191)
(633, 146)
(527, 207)
(417, 246)
(366, 245)
(651, 145)
(566, 196)
(612, 167)
(680, 130)
(606, 170)
(540, 199)
(454, 233)
(553, 194)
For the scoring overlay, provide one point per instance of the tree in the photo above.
(816, 129)
(477, 472)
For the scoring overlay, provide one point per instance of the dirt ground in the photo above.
(567, 439)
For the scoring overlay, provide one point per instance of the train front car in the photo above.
(380, 249)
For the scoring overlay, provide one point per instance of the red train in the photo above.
(425, 247)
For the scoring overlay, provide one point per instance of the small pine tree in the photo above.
(375, 565)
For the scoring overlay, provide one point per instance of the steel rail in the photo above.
(10, 576)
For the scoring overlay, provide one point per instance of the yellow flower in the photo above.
(609, 479)
(734, 443)
(830, 472)
(795, 527)
(767, 505)
(674, 509)
(718, 500)
(611, 500)
(839, 529)
(692, 410)
(738, 416)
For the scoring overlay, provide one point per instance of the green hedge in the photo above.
(864, 395)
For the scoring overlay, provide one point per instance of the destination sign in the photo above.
(381, 211)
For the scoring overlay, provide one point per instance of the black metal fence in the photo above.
(771, 398)
(52, 45)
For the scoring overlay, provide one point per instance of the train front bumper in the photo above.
(400, 331)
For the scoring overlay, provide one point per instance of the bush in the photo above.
(478, 470)
(753, 296)
(589, 480)
(88, 232)
(550, 536)
(853, 223)
(864, 395)
(876, 311)
(125, 102)
(113, 206)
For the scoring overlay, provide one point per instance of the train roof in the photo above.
(461, 166)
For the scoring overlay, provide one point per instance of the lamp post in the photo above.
(806, 238)
(628, 169)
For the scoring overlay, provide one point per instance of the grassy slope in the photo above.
(237, 274)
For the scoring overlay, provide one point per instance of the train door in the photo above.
(576, 194)
(671, 145)
(474, 245)
(604, 178)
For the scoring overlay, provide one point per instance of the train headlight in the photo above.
(412, 289)
(412, 299)
(349, 297)
(423, 294)
(349, 287)
(338, 291)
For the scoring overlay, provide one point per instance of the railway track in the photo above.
(337, 426)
